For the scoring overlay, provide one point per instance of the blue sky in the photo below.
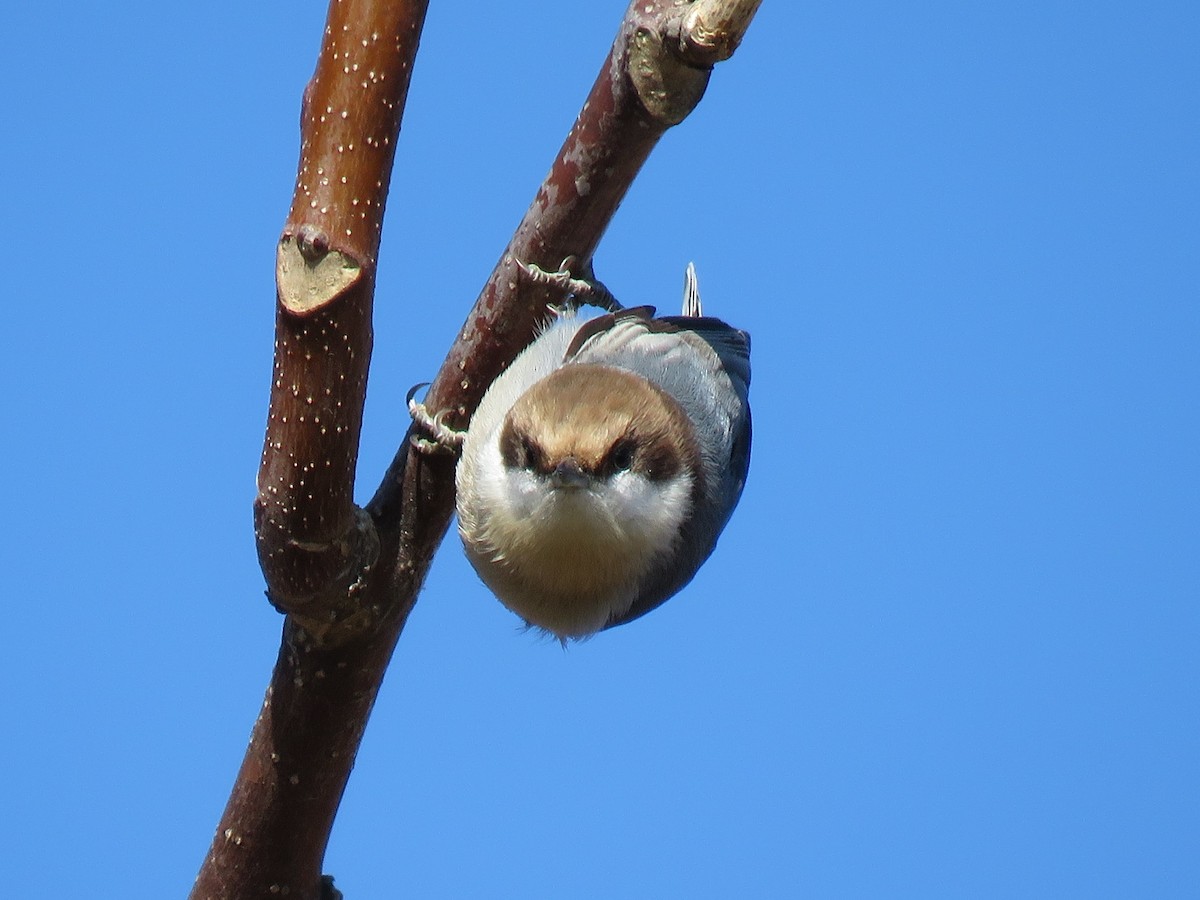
(948, 645)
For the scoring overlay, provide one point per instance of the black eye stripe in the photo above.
(518, 450)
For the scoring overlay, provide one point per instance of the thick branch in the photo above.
(316, 548)
(271, 840)
(313, 544)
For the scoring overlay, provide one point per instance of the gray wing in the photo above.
(632, 338)
(710, 353)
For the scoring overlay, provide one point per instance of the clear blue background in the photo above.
(947, 647)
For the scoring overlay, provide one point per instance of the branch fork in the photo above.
(348, 577)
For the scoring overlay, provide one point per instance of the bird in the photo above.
(602, 465)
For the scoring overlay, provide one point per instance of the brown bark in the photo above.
(346, 577)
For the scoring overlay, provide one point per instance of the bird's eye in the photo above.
(621, 457)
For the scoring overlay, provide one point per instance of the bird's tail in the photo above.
(691, 292)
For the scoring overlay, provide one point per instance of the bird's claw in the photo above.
(580, 290)
(443, 438)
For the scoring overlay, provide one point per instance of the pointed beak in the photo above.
(568, 475)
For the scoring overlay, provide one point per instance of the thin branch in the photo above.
(347, 577)
(647, 84)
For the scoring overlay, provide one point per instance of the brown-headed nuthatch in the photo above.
(602, 465)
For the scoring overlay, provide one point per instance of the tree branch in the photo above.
(316, 548)
(652, 78)
(314, 545)
(708, 31)
(348, 577)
